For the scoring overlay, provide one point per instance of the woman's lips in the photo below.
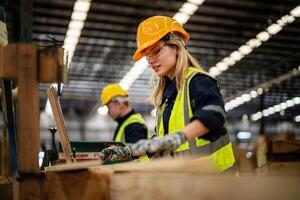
(156, 68)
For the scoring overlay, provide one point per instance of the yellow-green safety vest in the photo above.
(220, 150)
(135, 118)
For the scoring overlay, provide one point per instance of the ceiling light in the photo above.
(137, 69)
(244, 135)
(274, 29)
(271, 110)
(254, 43)
(73, 33)
(236, 55)
(76, 24)
(266, 113)
(103, 110)
(246, 97)
(69, 47)
(229, 61)
(245, 49)
(296, 100)
(181, 17)
(296, 12)
(214, 71)
(71, 40)
(82, 5)
(197, 2)
(260, 91)
(227, 107)
(222, 66)
(297, 118)
(259, 114)
(283, 106)
(188, 8)
(253, 94)
(232, 103)
(277, 108)
(80, 16)
(290, 103)
(263, 36)
(239, 100)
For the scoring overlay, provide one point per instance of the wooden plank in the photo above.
(287, 151)
(59, 121)
(51, 65)
(285, 146)
(80, 185)
(178, 186)
(73, 166)
(28, 118)
(29, 188)
(165, 165)
(8, 62)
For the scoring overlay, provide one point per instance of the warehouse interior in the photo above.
(251, 47)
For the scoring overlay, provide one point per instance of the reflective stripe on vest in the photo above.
(135, 118)
(220, 150)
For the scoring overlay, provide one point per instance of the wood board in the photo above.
(59, 120)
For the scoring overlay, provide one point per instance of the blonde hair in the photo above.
(184, 61)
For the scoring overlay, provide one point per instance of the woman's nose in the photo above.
(151, 60)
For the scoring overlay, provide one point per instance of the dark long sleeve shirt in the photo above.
(203, 91)
(133, 132)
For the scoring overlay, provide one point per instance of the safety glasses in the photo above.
(155, 52)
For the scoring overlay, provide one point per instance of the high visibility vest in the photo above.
(220, 151)
(120, 137)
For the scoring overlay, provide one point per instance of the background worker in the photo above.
(131, 126)
(191, 118)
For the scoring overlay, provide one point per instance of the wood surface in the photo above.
(28, 121)
(28, 109)
(193, 186)
(49, 62)
(77, 185)
(73, 166)
(165, 165)
(59, 121)
(292, 146)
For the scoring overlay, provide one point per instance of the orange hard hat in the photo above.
(110, 91)
(153, 29)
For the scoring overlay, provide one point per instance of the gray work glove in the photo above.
(115, 153)
(157, 144)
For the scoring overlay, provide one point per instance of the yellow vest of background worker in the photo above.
(120, 137)
(220, 150)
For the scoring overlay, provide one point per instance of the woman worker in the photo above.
(191, 120)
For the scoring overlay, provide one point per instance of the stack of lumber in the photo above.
(164, 179)
(278, 156)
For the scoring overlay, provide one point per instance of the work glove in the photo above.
(155, 145)
(116, 153)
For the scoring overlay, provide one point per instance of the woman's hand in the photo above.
(157, 144)
(116, 153)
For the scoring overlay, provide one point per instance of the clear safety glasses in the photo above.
(155, 52)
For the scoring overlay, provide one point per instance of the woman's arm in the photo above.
(194, 129)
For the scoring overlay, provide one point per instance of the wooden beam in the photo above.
(59, 121)
(28, 116)
(49, 61)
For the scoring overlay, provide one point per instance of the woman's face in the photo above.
(162, 58)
